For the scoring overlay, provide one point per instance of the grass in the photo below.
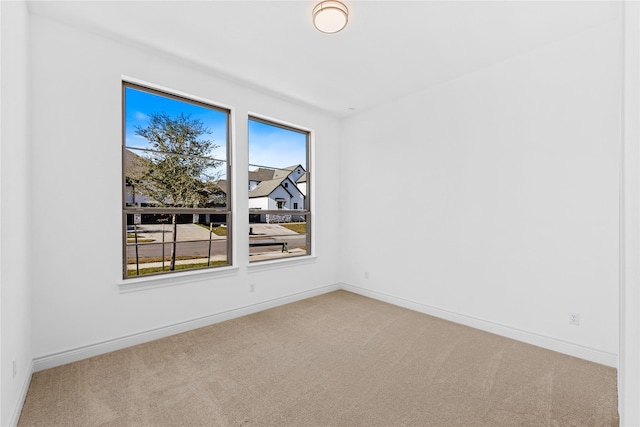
(298, 227)
(218, 231)
(166, 259)
(150, 270)
(131, 238)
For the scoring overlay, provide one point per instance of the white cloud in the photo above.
(141, 116)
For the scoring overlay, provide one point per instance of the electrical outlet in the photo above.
(574, 319)
(252, 287)
(15, 368)
(366, 274)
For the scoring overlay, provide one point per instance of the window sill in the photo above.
(280, 263)
(160, 281)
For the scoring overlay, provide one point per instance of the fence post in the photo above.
(163, 246)
(210, 235)
(135, 234)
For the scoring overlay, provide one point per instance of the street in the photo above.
(193, 241)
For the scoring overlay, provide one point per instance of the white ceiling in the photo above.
(389, 48)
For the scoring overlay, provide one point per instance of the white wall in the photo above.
(285, 194)
(629, 364)
(515, 222)
(15, 222)
(77, 240)
(259, 203)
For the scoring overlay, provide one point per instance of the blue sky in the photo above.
(268, 145)
(139, 105)
(276, 147)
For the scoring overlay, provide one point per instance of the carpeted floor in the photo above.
(335, 360)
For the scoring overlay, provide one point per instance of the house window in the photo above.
(176, 183)
(279, 205)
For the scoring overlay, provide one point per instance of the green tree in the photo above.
(176, 171)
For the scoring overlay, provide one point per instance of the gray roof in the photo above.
(262, 174)
(265, 174)
(270, 179)
(286, 171)
(131, 164)
(222, 185)
(128, 157)
(265, 188)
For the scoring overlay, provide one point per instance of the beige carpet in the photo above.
(335, 360)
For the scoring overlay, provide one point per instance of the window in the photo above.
(176, 183)
(279, 204)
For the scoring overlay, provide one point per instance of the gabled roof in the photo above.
(284, 172)
(266, 187)
(270, 179)
(131, 164)
(261, 174)
(266, 174)
(222, 185)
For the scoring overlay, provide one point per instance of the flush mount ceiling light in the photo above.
(330, 16)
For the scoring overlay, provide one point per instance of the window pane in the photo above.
(200, 241)
(278, 193)
(172, 180)
(142, 106)
(272, 241)
(174, 157)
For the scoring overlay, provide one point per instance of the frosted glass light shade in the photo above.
(330, 16)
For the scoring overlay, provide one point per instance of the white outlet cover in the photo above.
(574, 318)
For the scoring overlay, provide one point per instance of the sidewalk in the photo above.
(178, 262)
(256, 257)
(185, 232)
(196, 232)
(260, 229)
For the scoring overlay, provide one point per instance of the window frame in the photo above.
(126, 210)
(309, 207)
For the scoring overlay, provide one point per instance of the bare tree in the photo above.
(176, 171)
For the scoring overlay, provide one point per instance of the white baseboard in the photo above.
(586, 353)
(73, 355)
(15, 417)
